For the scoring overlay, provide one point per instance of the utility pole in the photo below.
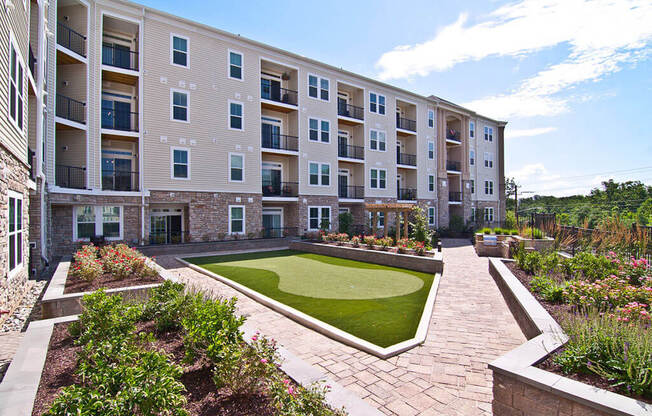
(516, 204)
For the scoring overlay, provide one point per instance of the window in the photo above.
(380, 219)
(471, 129)
(236, 167)
(319, 217)
(378, 178)
(472, 157)
(90, 221)
(431, 183)
(16, 98)
(472, 214)
(431, 118)
(488, 134)
(489, 187)
(180, 163)
(235, 65)
(235, 116)
(376, 103)
(236, 219)
(111, 222)
(472, 186)
(431, 215)
(431, 150)
(179, 105)
(489, 214)
(318, 87)
(320, 174)
(179, 50)
(488, 160)
(15, 231)
(377, 140)
(319, 130)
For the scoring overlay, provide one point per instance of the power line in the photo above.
(590, 174)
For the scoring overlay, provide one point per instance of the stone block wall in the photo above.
(313, 200)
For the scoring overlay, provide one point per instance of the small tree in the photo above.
(420, 230)
(346, 220)
(510, 220)
(324, 225)
(644, 213)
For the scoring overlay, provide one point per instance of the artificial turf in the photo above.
(379, 304)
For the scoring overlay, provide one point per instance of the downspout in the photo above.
(39, 127)
(141, 35)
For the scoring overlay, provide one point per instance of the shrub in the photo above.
(548, 288)
(498, 231)
(514, 232)
(510, 220)
(607, 293)
(370, 241)
(456, 224)
(345, 220)
(420, 230)
(419, 248)
(486, 230)
(341, 238)
(355, 241)
(291, 400)
(385, 243)
(528, 261)
(167, 305)
(87, 269)
(533, 233)
(86, 252)
(592, 266)
(402, 245)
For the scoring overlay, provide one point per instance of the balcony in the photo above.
(273, 92)
(279, 232)
(119, 120)
(280, 189)
(454, 197)
(119, 57)
(351, 192)
(453, 166)
(406, 124)
(407, 194)
(32, 62)
(279, 142)
(71, 109)
(350, 151)
(453, 135)
(350, 111)
(406, 159)
(71, 40)
(70, 177)
(113, 180)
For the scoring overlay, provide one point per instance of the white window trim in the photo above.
(19, 266)
(472, 186)
(319, 130)
(319, 78)
(320, 219)
(172, 91)
(434, 124)
(378, 178)
(488, 210)
(244, 220)
(228, 115)
(472, 157)
(488, 160)
(172, 36)
(243, 167)
(98, 222)
(319, 174)
(488, 186)
(228, 64)
(172, 149)
(377, 141)
(489, 134)
(377, 103)
(378, 217)
(434, 216)
(472, 129)
(434, 149)
(434, 182)
(19, 61)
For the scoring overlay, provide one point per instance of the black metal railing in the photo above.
(455, 196)
(350, 151)
(31, 159)
(453, 165)
(119, 120)
(407, 194)
(282, 189)
(32, 62)
(406, 124)
(119, 57)
(406, 159)
(70, 39)
(116, 180)
(280, 142)
(71, 109)
(176, 237)
(348, 110)
(279, 232)
(70, 177)
(278, 94)
(452, 134)
(351, 191)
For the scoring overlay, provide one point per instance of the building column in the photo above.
(405, 223)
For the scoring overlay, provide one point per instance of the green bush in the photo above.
(456, 224)
(514, 232)
(486, 230)
(290, 400)
(420, 231)
(533, 233)
(346, 221)
(529, 261)
(548, 288)
(592, 266)
(510, 220)
(498, 231)
(167, 305)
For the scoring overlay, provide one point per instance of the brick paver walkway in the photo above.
(447, 375)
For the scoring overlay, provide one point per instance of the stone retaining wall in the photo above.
(228, 245)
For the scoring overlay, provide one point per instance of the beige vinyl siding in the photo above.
(75, 142)
(75, 17)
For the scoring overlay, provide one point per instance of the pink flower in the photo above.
(291, 390)
(286, 381)
(263, 360)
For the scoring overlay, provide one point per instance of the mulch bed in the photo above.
(75, 284)
(559, 312)
(204, 398)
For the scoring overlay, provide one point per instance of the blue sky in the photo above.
(572, 77)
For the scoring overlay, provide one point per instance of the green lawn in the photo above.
(379, 304)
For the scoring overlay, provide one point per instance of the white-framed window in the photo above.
(472, 157)
(488, 134)
(488, 214)
(179, 104)
(236, 167)
(431, 150)
(376, 103)
(15, 234)
(472, 129)
(472, 186)
(235, 65)
(180, 166)
(236, 219)
(319, 216)
(473, 215)
(431, 118)
(320, 174)
(488, 187)
(318, 87)
(377, 140)
(431, 183)
(488, 160)
(97, 220)
(236, 115)
(16, 97)
(431, 215)
(179, 50)
(380, 219)
(319, 130)
(378, 178)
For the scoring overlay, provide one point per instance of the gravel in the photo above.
(28, 310)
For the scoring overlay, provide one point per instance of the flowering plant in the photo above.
(370, 241)
(402, 245)
(341, 238)
(385, 242)
(355, 241)
(419, 248)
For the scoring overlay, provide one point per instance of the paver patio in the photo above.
(447, 375)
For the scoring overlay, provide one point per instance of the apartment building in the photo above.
(168, 131)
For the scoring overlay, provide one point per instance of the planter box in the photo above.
(500, 249)
(55, 303)
(538, 244)
(520, 388)
(207, 247)
(424, 264)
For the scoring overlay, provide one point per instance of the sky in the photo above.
(573, 78)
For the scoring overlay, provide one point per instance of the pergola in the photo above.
(397, 209)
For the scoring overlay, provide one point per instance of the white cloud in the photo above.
(514, 133)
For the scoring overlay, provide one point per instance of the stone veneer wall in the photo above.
(317, 200)
(479, 210)
(35, 227)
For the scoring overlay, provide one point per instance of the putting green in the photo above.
(380, 304)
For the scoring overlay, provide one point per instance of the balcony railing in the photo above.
(71, 40)
(71, 109)
(454, 135)
(281, 189)
(280, 142)
(70, 177)
(407, 194)
(406, 124)
(119, 120)
(119, 57)
(453, 165)
(351, 192)
(348, 110)
(113, 180)
(279, 232)
(350, 151)
(455, 196)
(406, 159)
(278, 94)
(32, 62)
